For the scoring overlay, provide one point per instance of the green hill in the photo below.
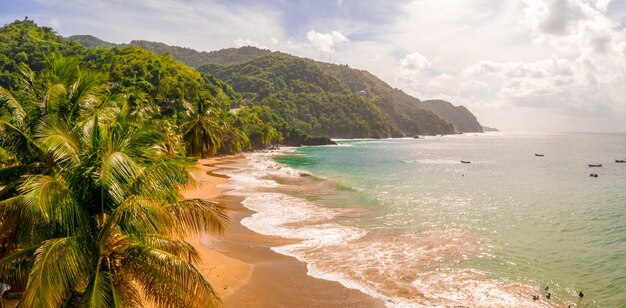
(327, 98)
(164, 79)
(306, 97)
(158, 79)
(185, 55)
(461, 118)
(337, 100)
(91, 41)
(407, 113)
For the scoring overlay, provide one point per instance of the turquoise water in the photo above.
(515, 218)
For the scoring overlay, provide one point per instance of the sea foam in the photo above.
(403, 270)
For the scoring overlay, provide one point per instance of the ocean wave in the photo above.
(403, 270)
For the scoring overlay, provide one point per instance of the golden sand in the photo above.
(241, 265)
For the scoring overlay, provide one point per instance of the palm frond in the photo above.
(195, 215)
(179, 248)
(139, 215)
(118, 170)
(50, 199)
(56, 137)
(162, 180)
(86, 89)
(16, 108)
(54, 98)
(6, 125)
(125, 293)
(27, 79)
(15, 267)
(168, 280)
(99, 292)
(59, 265)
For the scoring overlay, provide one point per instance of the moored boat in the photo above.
(594, 165)
(539, 155)
(466, 162)
(620, 161)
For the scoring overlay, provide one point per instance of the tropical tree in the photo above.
(104, 222)
(202, 129)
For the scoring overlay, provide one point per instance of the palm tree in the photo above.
(202, 130)
(106, 220)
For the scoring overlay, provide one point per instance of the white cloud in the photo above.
(504, 59)
(199, 24)
(474, 85)
(556, 17)
(246, 42)
(325, 42)
(414, 62)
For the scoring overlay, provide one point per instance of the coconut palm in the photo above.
(63, 91)
(105, 221)
(202, 129)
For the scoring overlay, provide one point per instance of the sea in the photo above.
(405, 221)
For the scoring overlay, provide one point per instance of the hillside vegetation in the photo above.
(306, 97)
(158, 82)
(407, 114)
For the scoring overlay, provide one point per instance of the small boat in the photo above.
(620, 161)
(466, 162)
(593, 175)
(594, 165)
(416, 137)
(539, 155)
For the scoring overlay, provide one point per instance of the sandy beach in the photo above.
(240, 265)
(244, 270)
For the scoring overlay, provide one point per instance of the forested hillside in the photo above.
(461, 118)
(407, 113)
(316, 102)
(192, 107)
(185, 55)
(307, 98)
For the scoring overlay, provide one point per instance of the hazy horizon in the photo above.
(522, 65)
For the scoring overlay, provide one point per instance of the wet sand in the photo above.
(245, 271)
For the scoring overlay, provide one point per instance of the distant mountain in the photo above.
(461, 118)
(185, 55)
(195, 58)
(91, 41)
(490, 129)
(407, 115)
(312, 99)
(398, 104)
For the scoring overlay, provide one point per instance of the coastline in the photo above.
(241, 265)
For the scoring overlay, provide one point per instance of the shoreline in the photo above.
(241, 265)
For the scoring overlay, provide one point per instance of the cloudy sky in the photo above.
(519, 65)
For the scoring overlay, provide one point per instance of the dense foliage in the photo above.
(406, 113)
(313, 99)
(155, 79)
(195, 58)
(25, 42)
(305, 97)
(91, 164)
(90, 213)
(91, 41)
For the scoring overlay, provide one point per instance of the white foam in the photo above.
(356, 258)
(438, 161)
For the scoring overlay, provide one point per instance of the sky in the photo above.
(518, 65)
